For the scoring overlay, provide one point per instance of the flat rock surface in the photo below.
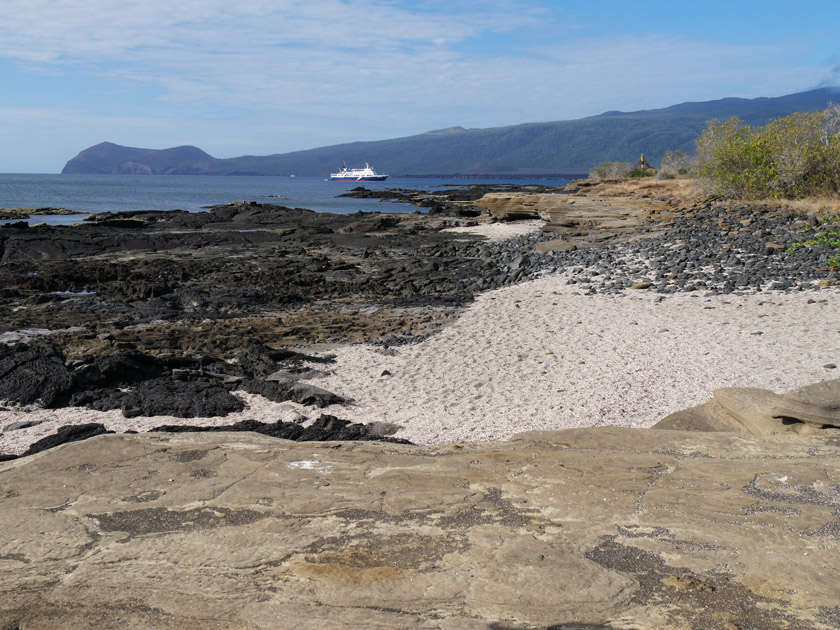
(581, 221)
(596, 528)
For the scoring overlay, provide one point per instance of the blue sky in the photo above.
(270, 76)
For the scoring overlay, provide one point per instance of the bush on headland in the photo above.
(619, 170)
(611, 170)
(674, 163)
(793, 157)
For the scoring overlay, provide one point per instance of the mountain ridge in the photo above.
(556, 147)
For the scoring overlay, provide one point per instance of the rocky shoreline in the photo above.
(179, 307)
(347, 335)
(185, 308)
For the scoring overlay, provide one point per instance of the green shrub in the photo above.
(826, 237)
(791, 157)
(640, 172)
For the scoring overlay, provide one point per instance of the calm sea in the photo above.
(88, 194)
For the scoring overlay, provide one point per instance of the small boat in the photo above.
(366, 174)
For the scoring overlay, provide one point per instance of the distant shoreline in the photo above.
(536, 176)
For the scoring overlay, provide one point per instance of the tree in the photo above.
(674, 163)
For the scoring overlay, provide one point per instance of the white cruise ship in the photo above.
(366, 174)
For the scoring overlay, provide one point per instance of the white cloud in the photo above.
(319, 56)
(267, 55)
(263, 76)
(94, 30)
(44, 138)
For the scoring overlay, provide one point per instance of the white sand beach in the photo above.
(541, 355)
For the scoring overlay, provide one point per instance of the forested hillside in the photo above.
(570, 146)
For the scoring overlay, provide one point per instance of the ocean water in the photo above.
(88, 194)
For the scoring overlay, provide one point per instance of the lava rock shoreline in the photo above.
(167, 313)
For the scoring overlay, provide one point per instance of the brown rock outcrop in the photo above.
(580, 221)
(595, 528)
(808, 410)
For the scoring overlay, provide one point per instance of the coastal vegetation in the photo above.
(792, 157)
(793, 161)
(674, 163)
(611, 170)
(826, 235)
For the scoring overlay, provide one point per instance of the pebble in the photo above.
(701, 252)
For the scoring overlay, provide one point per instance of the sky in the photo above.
(257, 77)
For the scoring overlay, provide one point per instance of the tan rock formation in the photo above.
(808, 410)
(595, 528)
(581, 221)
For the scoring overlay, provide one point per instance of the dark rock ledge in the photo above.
(188, 387)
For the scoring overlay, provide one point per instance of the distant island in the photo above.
(563, 148)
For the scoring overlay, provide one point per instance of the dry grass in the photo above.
(679, 188)
(815, 205)
(690, 189)
(812, 206)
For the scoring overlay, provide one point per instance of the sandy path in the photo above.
(499, 231)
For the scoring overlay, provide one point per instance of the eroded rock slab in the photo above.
(580, 222)
(596, 528)
(808, 410)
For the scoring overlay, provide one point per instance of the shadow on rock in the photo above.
(562, 626)
(66, 434)
(324, 429)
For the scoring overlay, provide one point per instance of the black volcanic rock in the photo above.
(67, 433)
(37, 374)
(164, 397)
(259, 361)
(287, 389)
(116, 370)
(325, 428)
(143, 385)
